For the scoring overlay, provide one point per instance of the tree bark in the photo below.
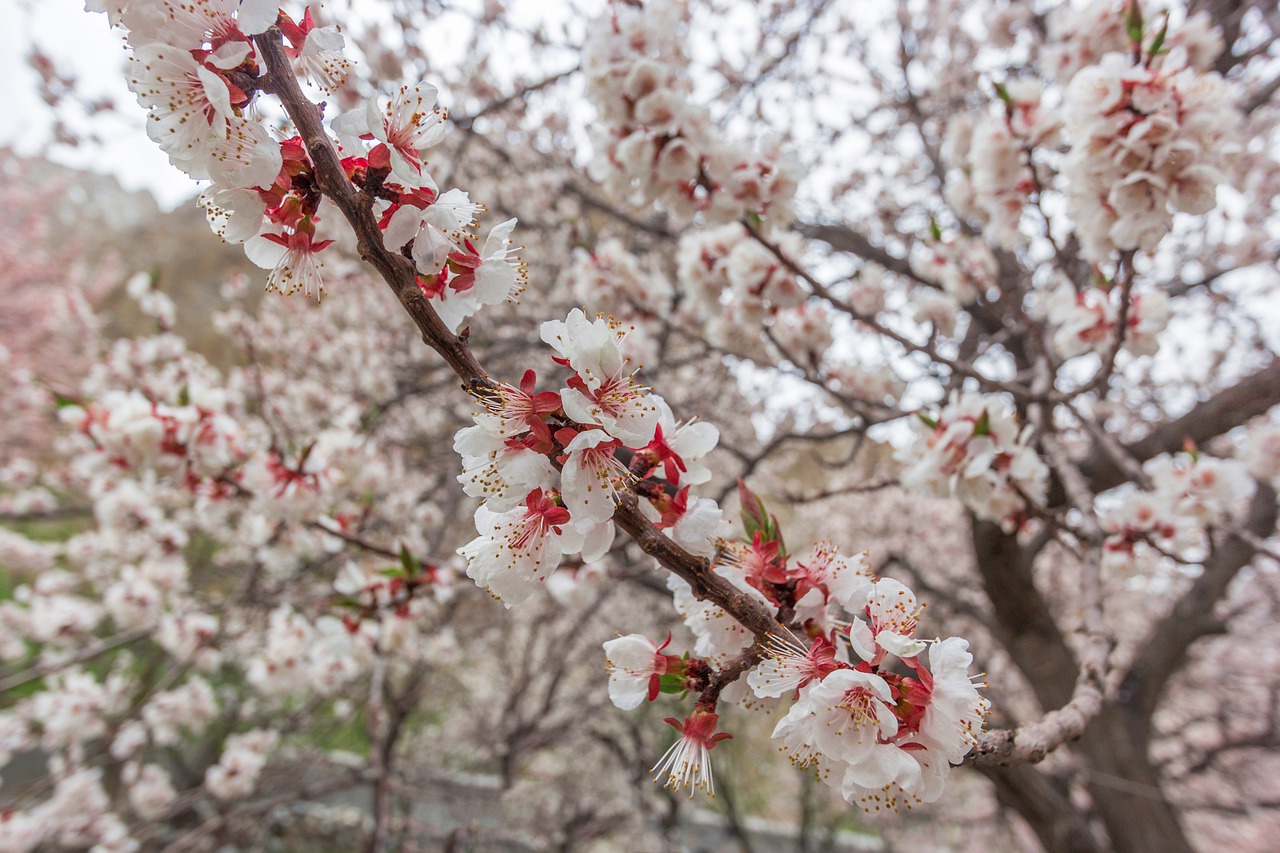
(1122, 782)
(1024, 624)
(1125, 787)
(1253, 395)
(1046, 807)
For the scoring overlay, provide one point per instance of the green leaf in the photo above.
(934, 229)
(61, 401)
(1158, 43)
(756, 518)
(411, 563)
(753, 512)
(1133, 22)
(393, 572)
(671, 683)
(928, 420)
(1003, 94)
(184, 395)
(983, 425)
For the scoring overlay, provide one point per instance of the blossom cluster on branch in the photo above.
(655, 143)
(263, 554)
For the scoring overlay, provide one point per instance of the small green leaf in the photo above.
(670, 683)
(1003, 94)
(753, 515)
(934, 229)
(393, 572)
(184, 395)
(928, 420)
(983, 425)
(1133, 22)
(756, 518)
(1158, 44)
(411, 564)
(61, 401)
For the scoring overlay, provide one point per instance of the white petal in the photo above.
(402, 227)
(255, 16)
(263, 252)
(216, 91)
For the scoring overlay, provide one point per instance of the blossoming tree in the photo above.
(991, 284)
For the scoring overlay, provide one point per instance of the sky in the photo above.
(83, 44)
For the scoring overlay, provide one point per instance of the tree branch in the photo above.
(400, 276)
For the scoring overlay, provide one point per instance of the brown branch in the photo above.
(1125, 272)
(352, 539)
(519, 94)
(845, 239)
(400, 276)
(1030, 743)
(1229, 408)
(1262, 95)
(81, 655)
(396, 270)
(591, 201)
(822, 291)
(192, 840)
(695, 571)
(1024, 623)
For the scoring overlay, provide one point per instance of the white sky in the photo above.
(83, 44)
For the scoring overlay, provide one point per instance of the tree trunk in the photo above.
(1046, 807)
(1122, 783)
(1125, 787)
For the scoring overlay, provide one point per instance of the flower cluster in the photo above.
(655, 140)
(77, 815)
(551, 465)
(243, 759)
(1261, 452)
(1081, 37)
(1189, 493)
(612, 276)
(963, 267)
(973, 449)
(132, 431)
(196, 497)
(1147, 139)
(196, 67)
(884, 738)
(735, 285)
(1085, 320)
(993, 179)
(872, 383)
